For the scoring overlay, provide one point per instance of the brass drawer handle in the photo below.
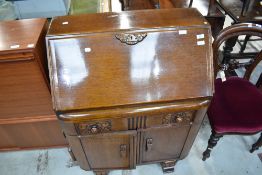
(149, 144)
(179, 119)
(94, 129)
(123, 151)
(131, 38)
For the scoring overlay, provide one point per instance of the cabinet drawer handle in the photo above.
(123, 151)
(131, 38)
(179, 119)
(94, 129)
(149, 144)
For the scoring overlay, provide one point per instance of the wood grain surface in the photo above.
(20, 32)
(97, 70)
(27, 119)
(128, 20)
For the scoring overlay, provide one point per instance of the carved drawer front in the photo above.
(101, 126)
(159, 144)
(177, 118)
(111, 150)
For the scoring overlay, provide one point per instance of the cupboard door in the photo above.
(165, 143)
(111, 150)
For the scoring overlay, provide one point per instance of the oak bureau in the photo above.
(130, 88)
(27, 119)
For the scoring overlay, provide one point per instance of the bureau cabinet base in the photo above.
(165, 138)
(71, 154)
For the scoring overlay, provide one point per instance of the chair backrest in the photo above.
(234, 31)
(242, 10)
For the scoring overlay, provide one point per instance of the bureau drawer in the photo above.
(128, 123)
(176, 118)
(101, 126)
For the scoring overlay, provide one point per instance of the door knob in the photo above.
(123, 151)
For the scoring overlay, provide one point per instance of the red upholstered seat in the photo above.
(236, 107)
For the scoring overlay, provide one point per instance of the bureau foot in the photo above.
(168, 166)
(71, 154)
(101, 172)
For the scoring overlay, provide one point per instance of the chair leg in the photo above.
(214, 137)
(243, 47)
(228, 48)
(256, 145)
(259, 82)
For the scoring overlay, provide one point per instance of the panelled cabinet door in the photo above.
(159, 144)
(110, 151)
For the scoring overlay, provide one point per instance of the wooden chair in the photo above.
(259, 82)
(236, 107)
(208, 8)
(240, 11)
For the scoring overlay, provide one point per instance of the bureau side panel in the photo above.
(200, 114)
(41, 56)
